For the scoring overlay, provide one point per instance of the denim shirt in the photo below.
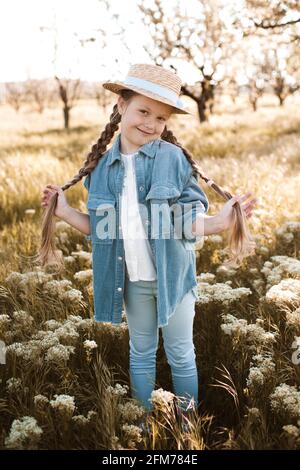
(163, 180)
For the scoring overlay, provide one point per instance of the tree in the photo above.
(203, 40)
(14, 95)
(275, 16)
(36, 92)
(69, 91)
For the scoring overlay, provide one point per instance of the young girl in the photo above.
(133, 262)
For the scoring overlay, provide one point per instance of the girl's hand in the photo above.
(226, 213)
(61, 205)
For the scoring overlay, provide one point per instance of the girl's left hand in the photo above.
(225, 214)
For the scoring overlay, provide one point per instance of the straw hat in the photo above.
(153, 81)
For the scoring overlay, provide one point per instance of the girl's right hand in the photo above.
(61, 205)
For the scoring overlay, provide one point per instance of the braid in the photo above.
(168, 136)
(240, 241)
(97, 149)
(47, 250)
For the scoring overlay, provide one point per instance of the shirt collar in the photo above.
(148, 149)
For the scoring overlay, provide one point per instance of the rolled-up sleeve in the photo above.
(191, 201)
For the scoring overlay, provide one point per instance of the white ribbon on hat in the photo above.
(154, 88)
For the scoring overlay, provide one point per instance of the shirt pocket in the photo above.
(160, 198)
(102, 210)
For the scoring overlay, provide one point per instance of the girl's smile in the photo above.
(143, 132)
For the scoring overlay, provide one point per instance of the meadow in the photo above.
(64, 383)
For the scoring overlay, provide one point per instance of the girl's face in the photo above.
(143, 120)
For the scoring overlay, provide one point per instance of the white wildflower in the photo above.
(118, 390)
(288, 290)
(40, 402)
(293, 318)
(29, 351)
(280, 267)
(67, 333)
(87, 344)
(73, 295)
(14, 385)
(285, 400)
(252, 334)
(132, 433)
(226, 271)
(52, 324)
(161, 397)
(206, 277)
(292, 430)
(5, 321)
(130, 411)
(24, 434)
(261, 370)
(29, 280)
(64, 404)
(84, 257)
(23, 318)
(59, 354)
(220, 292)
(84, 276)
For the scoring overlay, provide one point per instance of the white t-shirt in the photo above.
(138, 254)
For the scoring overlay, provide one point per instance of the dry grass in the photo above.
(74, 392)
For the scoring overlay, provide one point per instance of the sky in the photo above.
(27, 52)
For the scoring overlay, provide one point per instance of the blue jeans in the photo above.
(140, 309)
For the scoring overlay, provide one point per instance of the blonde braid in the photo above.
(48, 252)
(240, 242)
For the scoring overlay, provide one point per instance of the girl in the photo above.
(154, 276)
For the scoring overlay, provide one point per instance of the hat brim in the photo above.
(116, 87)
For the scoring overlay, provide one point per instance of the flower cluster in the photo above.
(64, 405)
(220, 292)
(293, 318)
(64, 291)
(206, 277)
(287, 291)
(161, 397)
(285, 401)
(280, 267)
(84, 258)
(253, 335)
(24, 434)
(130, 411)
(28, 281)
(261, 369)
(288, 231)
(118, 390)
(84, 276)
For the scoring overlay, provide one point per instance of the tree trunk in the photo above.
(66, 111)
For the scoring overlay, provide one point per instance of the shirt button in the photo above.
(120, 257)
(141, 188)
(119, 288)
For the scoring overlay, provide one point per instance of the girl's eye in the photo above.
(144, 111)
